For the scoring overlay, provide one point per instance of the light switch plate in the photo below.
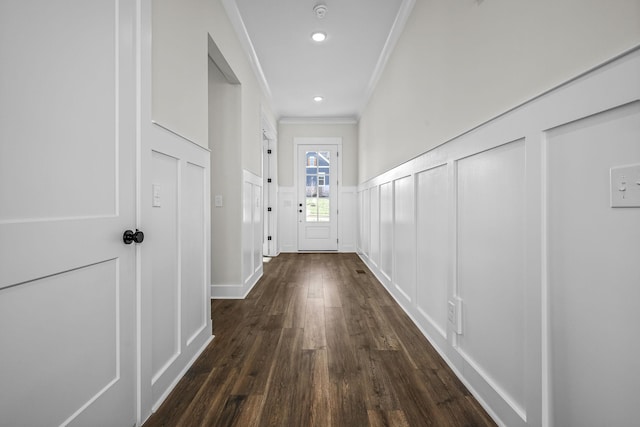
(217, 201)
(156, 199)
(625, 186)
(454, 314)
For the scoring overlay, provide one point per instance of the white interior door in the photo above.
(317, 197)
(67, 193)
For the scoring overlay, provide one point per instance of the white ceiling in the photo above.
(293, 68)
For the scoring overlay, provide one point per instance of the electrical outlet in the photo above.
(451, 312)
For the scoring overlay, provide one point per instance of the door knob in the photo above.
(129, 237)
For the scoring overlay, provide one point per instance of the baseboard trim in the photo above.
(182, 373)
(236, 291)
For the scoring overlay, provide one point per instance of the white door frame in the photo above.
(318, 142)
(270, 188)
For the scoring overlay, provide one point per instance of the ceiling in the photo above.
(343, 69)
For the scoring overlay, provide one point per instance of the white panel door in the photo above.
(317, 198)
(67, 193)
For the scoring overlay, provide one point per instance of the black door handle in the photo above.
(129, 237)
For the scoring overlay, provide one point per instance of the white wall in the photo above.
(513, 220)
(460, 63)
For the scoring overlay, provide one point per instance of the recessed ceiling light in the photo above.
(318, 36)
(318, 98)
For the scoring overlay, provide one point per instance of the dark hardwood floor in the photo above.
(318, 342)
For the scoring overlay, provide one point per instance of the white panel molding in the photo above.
(287, 222)
(348, 214)
(404, 238)
(185, 152)
(252, 267)
(444, 247)
(605, 88)
(591, 262)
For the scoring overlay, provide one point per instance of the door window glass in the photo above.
(318, 186)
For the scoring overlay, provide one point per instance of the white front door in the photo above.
(317, 197)
(67, 194)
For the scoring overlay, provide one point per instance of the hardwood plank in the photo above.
(248, 414)
(257, 367)
(279, 402)
(319, 413)
(378, 384)
(315, 284)
(387, 419)
(314, 326)
(295, 313)
(347, 404)
(331, 287)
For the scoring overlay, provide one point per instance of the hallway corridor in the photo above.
(318, 342)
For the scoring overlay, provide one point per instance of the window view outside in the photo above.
(318, 185)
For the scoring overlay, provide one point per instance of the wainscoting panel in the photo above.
(432, 234)
(195, 295)
(162, 239)
(365, 222)
(174, 303)
(521, 273)
(404, 240)
(386, 230)
(594, 279)
(375, 226)
(347, 219)
(490, 269)
(287, 219)
(252, 231)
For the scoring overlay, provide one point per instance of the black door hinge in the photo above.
(268, 237)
